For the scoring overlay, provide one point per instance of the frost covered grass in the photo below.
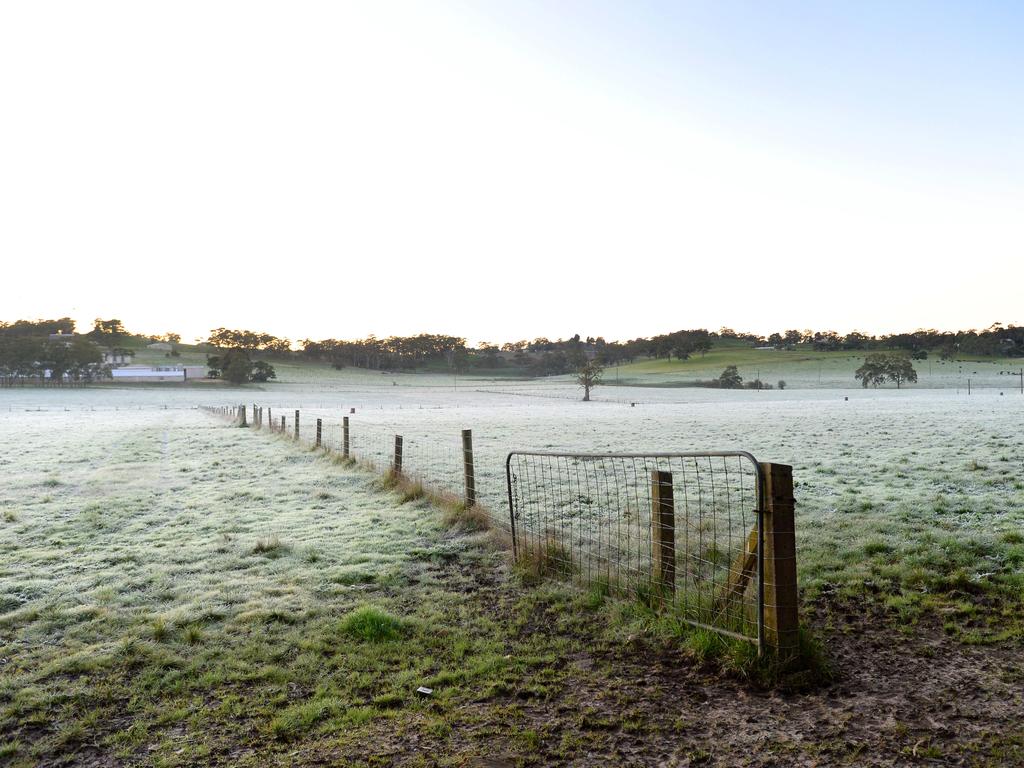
(160, 574)
(914, 499)
(175, 592)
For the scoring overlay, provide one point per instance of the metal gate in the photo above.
(681, 530)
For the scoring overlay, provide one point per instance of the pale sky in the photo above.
(508, 170)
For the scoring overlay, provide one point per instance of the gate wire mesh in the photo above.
(589, 517)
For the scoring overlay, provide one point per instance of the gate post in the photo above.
(398, 455)
(467, 466)
(663, 536)
(781, 600)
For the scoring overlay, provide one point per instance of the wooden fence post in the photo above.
(241, 416)
(781, 600)
(282, 425)
(296, 425)
(319, 427)
(344, 437)
(398, 455)
(270, 418)
(467, 466)
(663, 536)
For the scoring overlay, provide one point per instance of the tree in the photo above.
(900, 370)
(880, 367)
(730, 378)
(872, 371)
(262, 371)
(781, 384)
(588, 376)
(109, 330)
(238, 367)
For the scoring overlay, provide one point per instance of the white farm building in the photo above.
(134, 374)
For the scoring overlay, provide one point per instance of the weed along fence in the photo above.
(709, 536)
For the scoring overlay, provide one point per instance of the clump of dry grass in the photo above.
(271, 546)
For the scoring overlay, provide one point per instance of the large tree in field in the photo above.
(880, 367)
(900, 370)
(588, 376)
(872, 372)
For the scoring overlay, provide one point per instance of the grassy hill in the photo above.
(799, 368)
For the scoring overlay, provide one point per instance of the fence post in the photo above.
(241, 412)
(467, 466)
(398, 455)
(296, 425)
(663, 535)
(781, 601)
(319, 427)
(270, 418)
(282, 425)
(344, 437)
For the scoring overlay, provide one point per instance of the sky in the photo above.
(510, 170)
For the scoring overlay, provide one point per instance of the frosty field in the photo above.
(174, 591)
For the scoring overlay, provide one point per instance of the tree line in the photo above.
(996, 340)
(33, 355)
(28, 354)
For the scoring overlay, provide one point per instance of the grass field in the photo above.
(174, 591)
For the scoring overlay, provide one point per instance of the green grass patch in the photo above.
(373, 625)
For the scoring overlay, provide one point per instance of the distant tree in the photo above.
(262, 371)
(110, 331)
(872, 371)
(792, 338)
(227, 338)
(900, 370)
(588, 376)
(238, 367)
(730, 378)
(681, 350)
(233, 365)
(781, 384)
(86, 361)
(880, 367)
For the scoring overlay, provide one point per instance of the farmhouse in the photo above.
(138, 374)
(118, 357)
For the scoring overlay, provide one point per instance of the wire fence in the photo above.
(445, 465)
(685, 531)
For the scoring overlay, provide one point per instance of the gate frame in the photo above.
(759, 514)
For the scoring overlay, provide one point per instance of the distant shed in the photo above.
(139, 374)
